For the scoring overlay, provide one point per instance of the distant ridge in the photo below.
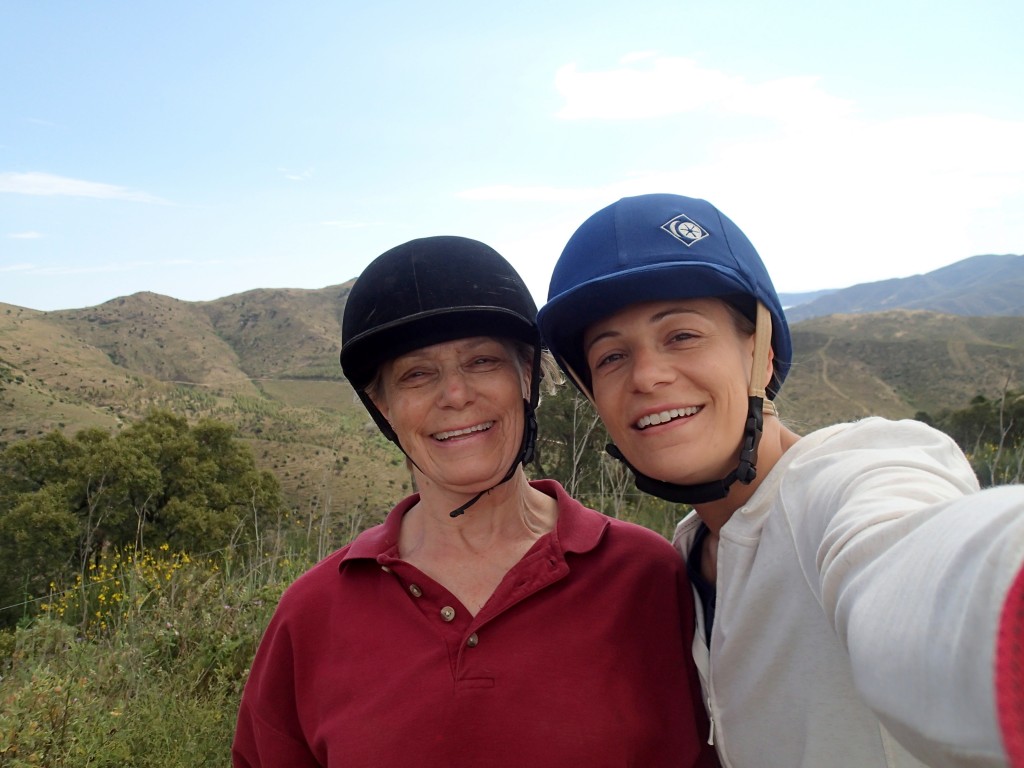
(795, 299)
(266, 362)
(979, 286)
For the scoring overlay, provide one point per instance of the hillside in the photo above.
(898, 363)
(266, 361)
(978, 286)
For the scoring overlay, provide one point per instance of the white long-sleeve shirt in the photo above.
(858, 600)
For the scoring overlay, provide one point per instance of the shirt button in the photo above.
(472, 640)
(447, 613)
(415, 591)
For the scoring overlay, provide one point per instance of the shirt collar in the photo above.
(577, 530)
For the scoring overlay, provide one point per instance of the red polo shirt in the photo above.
(581, 657)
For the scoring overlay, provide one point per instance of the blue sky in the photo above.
(201, 149)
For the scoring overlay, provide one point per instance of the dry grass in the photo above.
(267, 362)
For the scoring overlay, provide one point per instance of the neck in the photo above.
(511, 511)
(775, 441)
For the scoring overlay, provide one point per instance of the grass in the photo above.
(266, 362)
(139, 664)
(143, 664)
(142, 659)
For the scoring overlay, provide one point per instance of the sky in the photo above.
(201, 149)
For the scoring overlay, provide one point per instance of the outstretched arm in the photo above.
(913, 567)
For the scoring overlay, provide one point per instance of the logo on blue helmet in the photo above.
(685, 230)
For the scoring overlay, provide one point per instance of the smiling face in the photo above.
(457, 409)
(670, 381)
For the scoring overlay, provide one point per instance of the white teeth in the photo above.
(660, 418)
(466, 431)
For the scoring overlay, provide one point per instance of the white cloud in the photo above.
(35, 183)
(828, 197)
(647, 86)
(869, 200)
(297, 175)
(24, 235)
(16, 268)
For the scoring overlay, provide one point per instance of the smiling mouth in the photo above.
(653, 419)
(461, 432)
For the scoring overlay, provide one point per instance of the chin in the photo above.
(474, 482)
(668, 472)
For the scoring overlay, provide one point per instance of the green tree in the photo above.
(63, 502)
(570, 442)
(28, 465)
(991, 433)
(38, 539)
(571, 449)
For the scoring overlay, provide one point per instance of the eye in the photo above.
(485, 362)
(605, 359)
(681, 336)
(413, 376)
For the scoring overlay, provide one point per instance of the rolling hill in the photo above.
(266, 361)
(978, 286)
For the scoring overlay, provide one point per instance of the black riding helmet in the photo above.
(429, 291)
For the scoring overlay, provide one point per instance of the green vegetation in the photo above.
(144, 550)
(991, 433)
(142, 569)
(571, 448)
(154, 676)
(139, 573)
(65, 502)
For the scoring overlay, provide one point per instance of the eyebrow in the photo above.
(657, 317)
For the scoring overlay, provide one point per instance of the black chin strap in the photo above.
(702, 493)
(746, 470)
(528, 445)
(525, 456)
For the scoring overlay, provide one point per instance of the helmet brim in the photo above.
(563, 322)
(362, 355)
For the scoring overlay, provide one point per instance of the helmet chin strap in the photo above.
(525, 456)
(746, 470)
(528, 444)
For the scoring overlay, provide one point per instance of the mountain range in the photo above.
(976, 287)
(266, 361)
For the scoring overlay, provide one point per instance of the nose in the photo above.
(455, 389)
(649, 370)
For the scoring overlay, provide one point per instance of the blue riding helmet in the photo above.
(662, 248)
(655, 248)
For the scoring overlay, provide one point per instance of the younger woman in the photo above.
(861, 600)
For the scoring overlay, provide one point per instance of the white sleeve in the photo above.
(912, 565)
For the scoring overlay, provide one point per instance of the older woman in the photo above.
(861, 600)
(489, 620)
